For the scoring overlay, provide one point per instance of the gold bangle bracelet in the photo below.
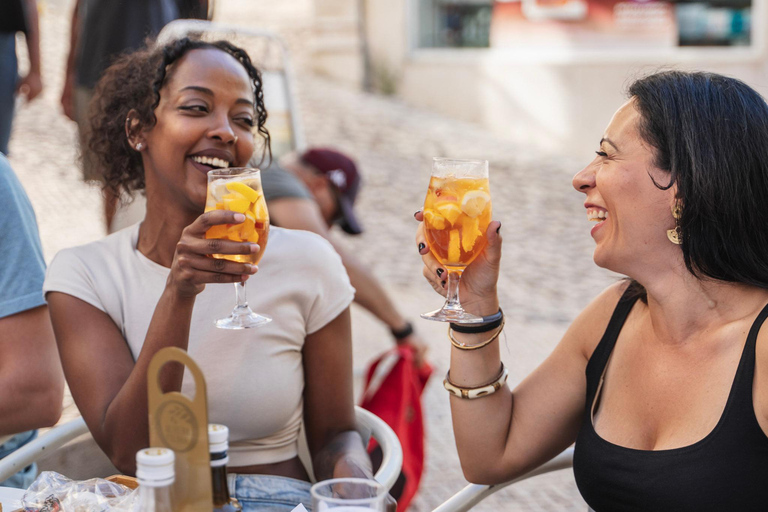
(461, 346)
(478, 392)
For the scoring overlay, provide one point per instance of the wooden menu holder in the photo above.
(181, 424)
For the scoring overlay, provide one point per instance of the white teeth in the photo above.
(214, 162)
(596, 215)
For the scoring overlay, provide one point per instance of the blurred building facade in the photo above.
(545, 72)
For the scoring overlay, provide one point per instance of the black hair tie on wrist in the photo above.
(489, 323)
(403, 333)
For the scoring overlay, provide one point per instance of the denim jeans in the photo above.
(26, 476)
(8, 79)
(266, 493)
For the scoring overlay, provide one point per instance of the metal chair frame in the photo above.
(473, 494)
(369, 425)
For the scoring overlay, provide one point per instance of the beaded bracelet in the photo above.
(462, 346)
(478, 392)
(489, 323)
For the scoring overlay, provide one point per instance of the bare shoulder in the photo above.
(587, 329)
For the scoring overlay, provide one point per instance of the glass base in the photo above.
(242, 318)
(456, 315)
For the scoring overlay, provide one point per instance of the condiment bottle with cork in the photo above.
(218, 442)
(155, 473)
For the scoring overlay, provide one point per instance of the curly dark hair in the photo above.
(133, 82)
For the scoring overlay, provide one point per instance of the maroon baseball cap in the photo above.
(342, 173)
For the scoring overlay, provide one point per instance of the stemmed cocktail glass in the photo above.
(239, 189)
(457, 212)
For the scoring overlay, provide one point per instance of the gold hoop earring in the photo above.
(675, 235)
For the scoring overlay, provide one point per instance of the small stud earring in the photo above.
(675, 235)
(139, 146)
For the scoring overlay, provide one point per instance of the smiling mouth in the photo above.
(212, 162)
(596, 215)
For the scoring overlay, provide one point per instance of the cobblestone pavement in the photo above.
(547, 277)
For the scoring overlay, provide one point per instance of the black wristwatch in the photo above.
(401, 334)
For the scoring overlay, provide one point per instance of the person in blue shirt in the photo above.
(31, 378)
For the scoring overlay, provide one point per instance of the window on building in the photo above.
(583, 23)
(454, 23)
(714, 23)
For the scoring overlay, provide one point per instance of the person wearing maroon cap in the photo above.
(318, 191)
(334, 181)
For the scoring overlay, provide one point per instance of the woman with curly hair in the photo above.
(159, 118)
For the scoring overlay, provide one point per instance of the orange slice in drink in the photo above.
(233, 233)
(247, 230)
(434, 220)
(259, 209)
(217, 231)
(454, 252)
(450, 211)
(474, 202)
(237, 205)
(241, 188)
(470, 232)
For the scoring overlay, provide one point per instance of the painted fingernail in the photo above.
(421, 246)
(239, 217)
(440, 272)
(251, 268)
(498, 228)
(442, 283)
(417, 212)
(254, 247)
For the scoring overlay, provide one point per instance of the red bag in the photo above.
(393, 387)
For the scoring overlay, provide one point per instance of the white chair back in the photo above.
(70, 450)
(473, 494)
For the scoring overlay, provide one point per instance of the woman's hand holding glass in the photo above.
(477, 287)
(457, 212)
(239, 189)
(193, 267)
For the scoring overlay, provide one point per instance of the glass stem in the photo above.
(240, 295)
(452, 299)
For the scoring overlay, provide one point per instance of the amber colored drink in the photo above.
(457, 212)
(241, 195)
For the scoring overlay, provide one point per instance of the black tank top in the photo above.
(727, 471)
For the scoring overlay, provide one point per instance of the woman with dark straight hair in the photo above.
(660, 381)
(710, 135)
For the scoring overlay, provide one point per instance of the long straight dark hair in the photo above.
(710, 133)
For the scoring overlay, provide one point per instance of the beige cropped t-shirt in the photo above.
(255, 377)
